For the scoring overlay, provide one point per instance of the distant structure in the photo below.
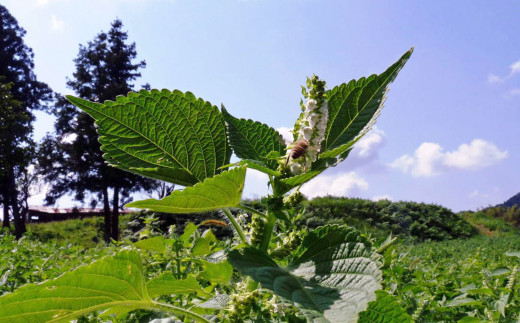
(40, 214)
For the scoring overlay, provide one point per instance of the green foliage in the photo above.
(252, 140)
(28, 260)
(454, 280)
(221, 191)
(115, 283)
(328, 274)
(332, 276)
(488, 223)
(85, 232)
(384, 309)
(20, 94)
(509, 214)
(419, 220)
(183, 140)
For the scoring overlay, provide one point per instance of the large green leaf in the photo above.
(113, 284)
(354, 106)
(171, 136)
(331, 279)
(384, 309)
(166, 284)
(253, 140)
(221, 191)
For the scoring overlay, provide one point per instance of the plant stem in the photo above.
(252, 210)
(268, 230)
(235, 225)
(178, 260)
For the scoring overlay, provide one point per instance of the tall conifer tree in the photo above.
(21, 93)
(72, 161)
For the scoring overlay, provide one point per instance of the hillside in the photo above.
(515, 200)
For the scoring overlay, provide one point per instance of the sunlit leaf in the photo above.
(167, 284)
(219, 272)
(154, 243)
(222, 191)
(113, 284)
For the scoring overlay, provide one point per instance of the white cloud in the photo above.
(56, 24)
(286, 134)
(494, 79)
(515, 92)
(430, 159)
(369, 145)
(382, 197)
(345, 184)
(477, 194)
(478, 154)
(42, 2)
(515, 67)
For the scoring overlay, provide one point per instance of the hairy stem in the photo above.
(235, 225)
(268, 231)
(252, 210)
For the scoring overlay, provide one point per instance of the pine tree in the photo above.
(72, 161)
(21, 93)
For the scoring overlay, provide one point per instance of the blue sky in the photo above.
(449, 131)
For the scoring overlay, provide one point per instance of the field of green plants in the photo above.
(466, 278)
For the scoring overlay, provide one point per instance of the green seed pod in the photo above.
(256, 231)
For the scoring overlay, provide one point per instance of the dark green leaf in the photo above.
(253, 140)
(333, 276)
(166, 135)
(354, 106)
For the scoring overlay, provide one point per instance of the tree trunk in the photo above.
(19, 224)
(5, 195)
(106, 206)
(115, 215)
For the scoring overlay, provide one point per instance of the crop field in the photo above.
(464, 279)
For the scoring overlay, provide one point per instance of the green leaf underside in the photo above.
(253, 140)
(222, 191)
(333, 276)
(259, 166)
(152, 133)
(354, 106)
(384, 309)
(167, 284)
(302, 178)
(115, 284)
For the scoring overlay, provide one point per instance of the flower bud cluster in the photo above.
(287, 245)
(256, 230)
(312, 123)
(294, 199)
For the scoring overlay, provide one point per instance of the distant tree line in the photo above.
(70, 159)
